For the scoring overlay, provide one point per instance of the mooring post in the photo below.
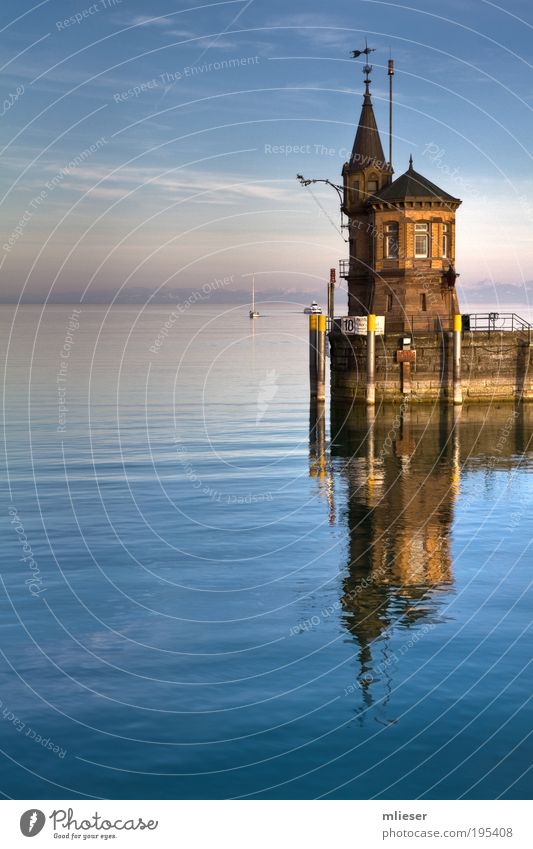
(313, 324)
(331, 297)
(321, 358)
(457, 385)
(371, 359)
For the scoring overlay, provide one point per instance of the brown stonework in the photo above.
(385, 275)
(402, 266)
(494, 366)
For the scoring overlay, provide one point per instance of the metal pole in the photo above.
(371, 360)
(457, 384)
(331, 303)
(321, 359)
(391, 74)
(313, 323)
(331, 297)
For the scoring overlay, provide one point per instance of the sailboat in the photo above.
(253, 312)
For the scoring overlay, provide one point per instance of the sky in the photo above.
(155, 145)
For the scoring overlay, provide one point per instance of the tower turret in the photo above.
(364, 176)
(401, 236)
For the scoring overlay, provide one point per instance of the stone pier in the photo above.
(495, 366)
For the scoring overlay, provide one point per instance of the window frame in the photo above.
(446, 240)
(422, 234)
(395, 227)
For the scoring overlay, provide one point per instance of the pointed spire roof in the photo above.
(367, 147)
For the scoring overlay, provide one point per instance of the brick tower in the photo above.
(401, 236)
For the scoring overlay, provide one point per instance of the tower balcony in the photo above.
(344, 268)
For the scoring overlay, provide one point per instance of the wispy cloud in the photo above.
(318, 29)
(204, 40)
(161, 21)
(145, 20)
(213, 186)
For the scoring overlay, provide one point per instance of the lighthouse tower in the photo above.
(401, 237)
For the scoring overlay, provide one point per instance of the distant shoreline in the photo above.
(503, 297)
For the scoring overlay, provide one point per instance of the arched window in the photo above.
(421, 239)
(391, 240)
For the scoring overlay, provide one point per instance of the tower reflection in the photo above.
(402, 472)
(396, 476)
(319, 456)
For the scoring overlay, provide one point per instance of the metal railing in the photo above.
(409, 324)
(495, 322)
(491, 322)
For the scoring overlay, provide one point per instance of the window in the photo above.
(446, 240)
(372, 187)
(391, 240)
(422, 239)
(423, 302)
(389, 303)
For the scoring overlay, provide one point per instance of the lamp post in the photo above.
(339, 189)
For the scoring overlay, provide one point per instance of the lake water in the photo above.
(211, 590)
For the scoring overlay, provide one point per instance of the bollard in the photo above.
(313, 325)
(371, 360)
(457, 385)
(321, 358)
(331, 303)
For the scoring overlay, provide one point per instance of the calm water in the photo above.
(223, 596)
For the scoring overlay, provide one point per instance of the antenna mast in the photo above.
(391, 74)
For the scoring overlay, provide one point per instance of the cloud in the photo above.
(223, 188)
(145, 20)
(213, 186)
(210, 41)
(319, 29)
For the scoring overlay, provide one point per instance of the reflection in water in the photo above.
(402, 471)
(399, 512)
(319, 461)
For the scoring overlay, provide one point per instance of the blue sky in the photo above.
(193, 177)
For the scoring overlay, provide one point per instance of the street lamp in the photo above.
(339, 189)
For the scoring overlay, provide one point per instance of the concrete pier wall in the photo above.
(495, 366)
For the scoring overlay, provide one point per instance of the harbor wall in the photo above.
(495, 366)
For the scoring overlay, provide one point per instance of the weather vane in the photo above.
(367, 67)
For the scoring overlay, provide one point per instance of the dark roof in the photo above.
(411, 186)
(367, 147)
